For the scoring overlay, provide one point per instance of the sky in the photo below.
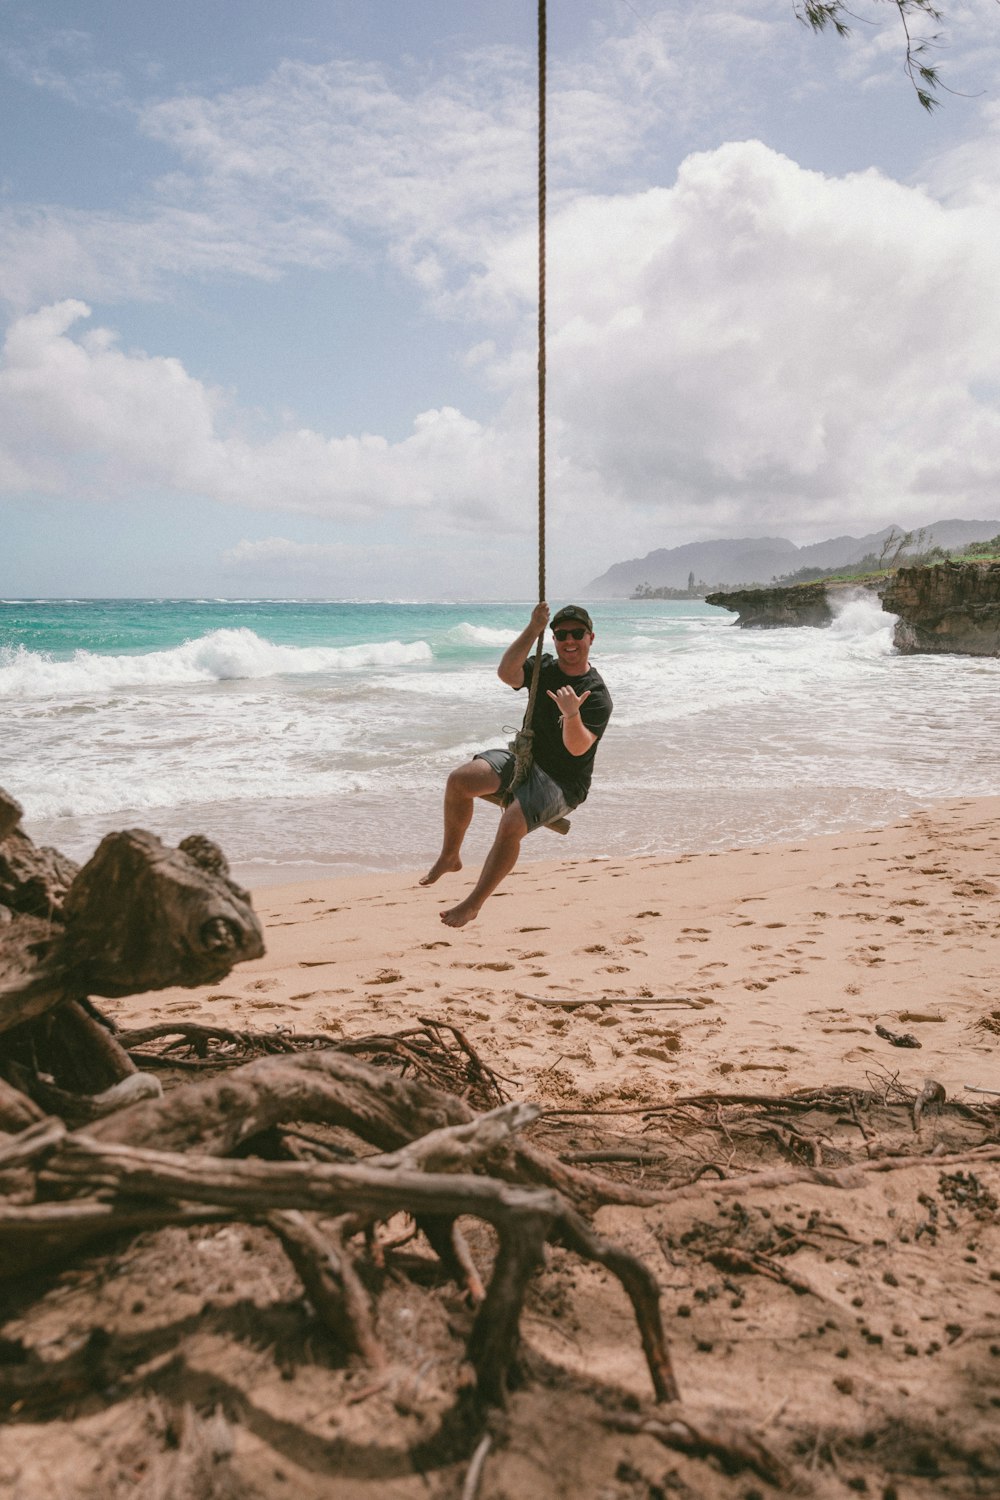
(268, 289)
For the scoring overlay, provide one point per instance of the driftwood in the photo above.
(140, 917)
(136, 917)
(130, 1185)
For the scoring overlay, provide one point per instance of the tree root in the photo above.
(434, 1141)
(435, 1051)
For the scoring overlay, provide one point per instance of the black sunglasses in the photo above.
(564, 635)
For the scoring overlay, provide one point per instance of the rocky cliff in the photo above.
(803, 604)
(953, 607)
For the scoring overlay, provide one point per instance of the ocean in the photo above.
(313, 738)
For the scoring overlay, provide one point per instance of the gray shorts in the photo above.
(542, 799)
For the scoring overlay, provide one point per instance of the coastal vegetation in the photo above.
(901, 549)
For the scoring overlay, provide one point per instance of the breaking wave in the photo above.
(220, 656)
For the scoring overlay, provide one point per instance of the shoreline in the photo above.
(779, 960)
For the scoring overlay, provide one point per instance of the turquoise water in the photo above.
(63, 627)
(311, 737)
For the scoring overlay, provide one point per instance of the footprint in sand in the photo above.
(967, 888)
(668, 1038)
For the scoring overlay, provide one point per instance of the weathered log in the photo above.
(137, 917)
(219, 1115)
(142, 917)
(32, 880)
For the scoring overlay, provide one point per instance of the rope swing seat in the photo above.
(558, 825)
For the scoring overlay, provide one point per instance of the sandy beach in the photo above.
(780, 962)
(830, 1302)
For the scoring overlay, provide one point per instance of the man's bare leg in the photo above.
(499, 862)
(476, 778)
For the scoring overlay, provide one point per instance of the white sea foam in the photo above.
(480, 635)
(220, 656)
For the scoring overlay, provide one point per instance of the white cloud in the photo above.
(83, 416)
(767, 343)
(758, 345)
(61, 62)
(321, 162)
(428, 166)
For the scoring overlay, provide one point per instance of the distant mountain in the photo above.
(728, 563)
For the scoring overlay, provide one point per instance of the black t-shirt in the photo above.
(572, 772)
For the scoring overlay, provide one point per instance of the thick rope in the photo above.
(542, 50)
(522, 742)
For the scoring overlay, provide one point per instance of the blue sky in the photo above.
(267, 283)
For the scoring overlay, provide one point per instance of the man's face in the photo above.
(572, 653)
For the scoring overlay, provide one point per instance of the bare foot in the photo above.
(440, 867)
(460, 914)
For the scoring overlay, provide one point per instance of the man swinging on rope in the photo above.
(571, 713)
